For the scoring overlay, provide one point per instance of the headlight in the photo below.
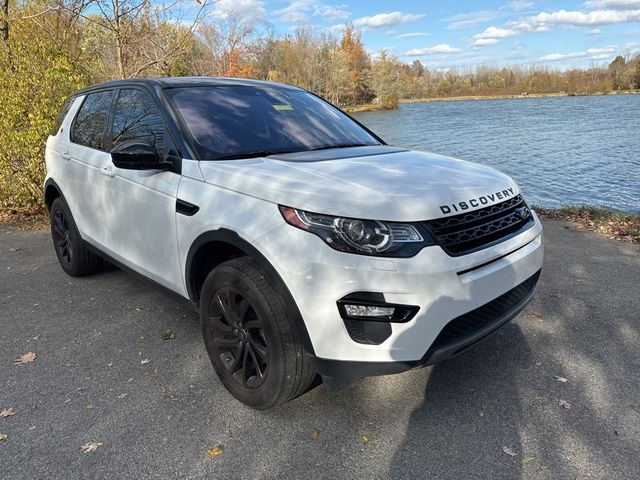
(367, 237)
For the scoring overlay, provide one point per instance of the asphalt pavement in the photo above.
(554, 394)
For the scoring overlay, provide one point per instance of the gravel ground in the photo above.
(103, 373)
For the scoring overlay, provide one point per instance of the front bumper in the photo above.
(506, 307)
(444, 288)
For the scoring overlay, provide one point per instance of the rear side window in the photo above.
(63, 113)
(137, 118)
(90, 123)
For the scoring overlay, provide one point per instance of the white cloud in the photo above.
(466, 20)
(613, 4)
(338, 28)
(517, 5)
(386, 19)
(591, 53)
(594, 31)
(300, 11)
(495, 32)
(581, 19)
(441, 48)
(562, 18)
(411, 35)
(481, 42)
(492, 35)
(334, 12)
(249, 11)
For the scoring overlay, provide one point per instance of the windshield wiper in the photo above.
(342, 145)
(253, 154)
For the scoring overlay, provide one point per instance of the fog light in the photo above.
(369, 311)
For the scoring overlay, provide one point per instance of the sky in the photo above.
(563, 34)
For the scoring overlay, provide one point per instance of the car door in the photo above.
(141, 221)
(84, 156)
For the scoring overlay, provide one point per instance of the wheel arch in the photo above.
(212, 248)
(51, 192)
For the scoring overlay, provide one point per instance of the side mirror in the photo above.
(137, 155)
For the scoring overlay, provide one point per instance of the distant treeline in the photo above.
(50, 48)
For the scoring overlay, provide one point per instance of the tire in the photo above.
(73, 254)
(251, 337)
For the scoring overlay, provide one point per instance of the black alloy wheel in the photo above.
(251, 335)
(73, 253)
(238, 338)
(61, 239)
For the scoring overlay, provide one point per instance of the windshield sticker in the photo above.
(283, 107)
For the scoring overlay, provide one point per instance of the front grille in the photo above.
(470, 231)
(467, 325)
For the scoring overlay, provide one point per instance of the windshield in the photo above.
(244, 121)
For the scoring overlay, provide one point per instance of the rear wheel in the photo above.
(73, 254)
(251, 337)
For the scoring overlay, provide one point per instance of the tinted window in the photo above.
(232, 120)
(63, 113)
(91, 120)
(137, 118)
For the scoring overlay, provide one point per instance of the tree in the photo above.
(358, 61)
(616, 69)
(35, 57)
(141, 36)
(385, 79)
(223, 47)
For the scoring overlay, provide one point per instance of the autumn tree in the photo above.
(38, 70)
(138, 36)
(358, 61)
(385, 79)
(223, 48)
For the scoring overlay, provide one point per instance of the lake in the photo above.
(561, 150)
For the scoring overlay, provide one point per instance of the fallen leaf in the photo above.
(314, 435)
(123, 395)
(7, 412)
(91, 407)
(145, 361)
(365, 437)
(215, 452)
(560, 379)
(564, 404)
(26, 358)
(167, 335)
(37, 337)
(537, 315)
(12, 249)
(33, 427)
(509, 451)
(91, 446)
(3, 437)
(527, 460)
(481, 414)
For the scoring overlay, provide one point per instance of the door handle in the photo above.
(108, 170)
(66, 155)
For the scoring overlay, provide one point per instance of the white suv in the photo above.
(309, 246)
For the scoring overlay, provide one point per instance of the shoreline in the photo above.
(370, 107)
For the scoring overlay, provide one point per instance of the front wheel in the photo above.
(251, 337)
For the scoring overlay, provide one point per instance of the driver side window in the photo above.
(137, 118)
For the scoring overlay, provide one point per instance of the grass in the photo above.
(614, 224)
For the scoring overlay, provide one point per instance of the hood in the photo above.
(377, 182)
